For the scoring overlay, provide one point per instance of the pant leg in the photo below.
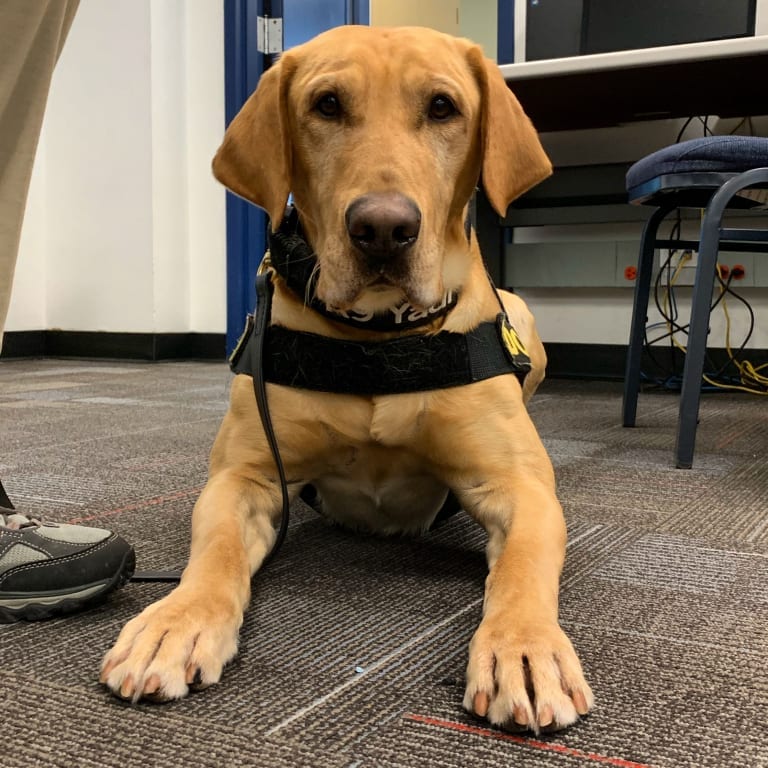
(32, 34)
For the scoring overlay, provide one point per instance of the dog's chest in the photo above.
(379, 493)
(377, 481)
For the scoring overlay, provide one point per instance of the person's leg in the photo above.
(32, 34)
(46, 569)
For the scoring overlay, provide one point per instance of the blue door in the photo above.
(247, 224)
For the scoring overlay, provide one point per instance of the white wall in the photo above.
(125, 226)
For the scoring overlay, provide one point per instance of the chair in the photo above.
(710, 173)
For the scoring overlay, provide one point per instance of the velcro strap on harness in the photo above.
(412, 363)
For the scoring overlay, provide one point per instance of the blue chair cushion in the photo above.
(711, 154)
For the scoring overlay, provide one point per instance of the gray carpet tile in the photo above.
(589, 546)
(353, 651)
(58, 726)
(734, 510)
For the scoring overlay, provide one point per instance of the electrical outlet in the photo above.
(742, 268)
(684, 274)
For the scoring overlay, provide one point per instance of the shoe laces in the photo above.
(17, 521)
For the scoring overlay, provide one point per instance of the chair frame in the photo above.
(713, 237)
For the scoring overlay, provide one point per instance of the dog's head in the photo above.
(381, 135)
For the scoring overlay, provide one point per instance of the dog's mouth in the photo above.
(377, 295)
(380, 283)
(348, 281)
(380, 291)
(404, 288)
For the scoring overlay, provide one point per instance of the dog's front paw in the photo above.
(525, 677)
(177, 643)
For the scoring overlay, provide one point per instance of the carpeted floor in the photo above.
(353, 651)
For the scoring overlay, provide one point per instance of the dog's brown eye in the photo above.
(441, 108)
(328, 105)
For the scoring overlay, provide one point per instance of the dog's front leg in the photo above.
(185, 639)
(523, 672)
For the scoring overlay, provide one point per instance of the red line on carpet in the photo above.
(728, 439)
(138, 505)
(523, 741)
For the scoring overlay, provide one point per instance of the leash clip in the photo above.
(266, 264)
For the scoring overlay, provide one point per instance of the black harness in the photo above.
(400, 365)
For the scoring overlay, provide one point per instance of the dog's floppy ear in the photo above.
(254, 160)
(513, 158)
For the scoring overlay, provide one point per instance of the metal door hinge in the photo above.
(269, 35)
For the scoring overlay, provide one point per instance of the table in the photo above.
(723, 77)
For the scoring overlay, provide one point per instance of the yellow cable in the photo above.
(745, 368)
(748, 373)
(667, 308)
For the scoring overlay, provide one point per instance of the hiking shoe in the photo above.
(49, 569)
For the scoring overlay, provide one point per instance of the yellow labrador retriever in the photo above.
(381, 136)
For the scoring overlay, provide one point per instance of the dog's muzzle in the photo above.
(293, 259)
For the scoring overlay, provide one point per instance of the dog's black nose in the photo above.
(383, 225)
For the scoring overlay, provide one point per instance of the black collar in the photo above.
(295, 261)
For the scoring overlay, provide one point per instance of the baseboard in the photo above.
(114, 346)
(585, 361)
(607, 361)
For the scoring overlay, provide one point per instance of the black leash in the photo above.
(157, 576)
(264, 291)
(5, 502)
(257, 326)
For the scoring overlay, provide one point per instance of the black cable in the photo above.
(684, 328)
(682, 130)
(671, 319)
(704, 122)
(672, 373)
